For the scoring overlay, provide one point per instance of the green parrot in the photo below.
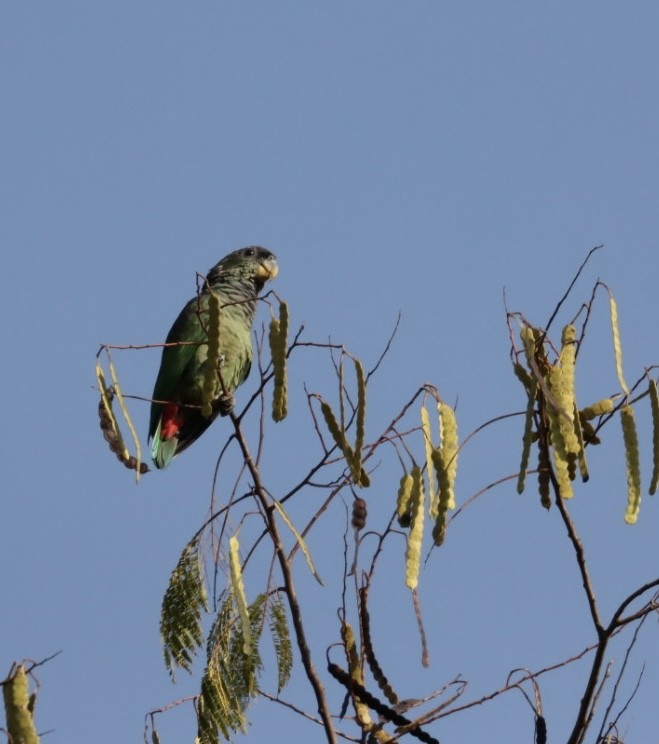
(176, 416)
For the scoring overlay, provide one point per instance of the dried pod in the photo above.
(654, 405)
(403, 501)
(278, 339)
(359, 514)
(527, 439)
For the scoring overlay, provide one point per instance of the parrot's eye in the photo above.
(249, 252)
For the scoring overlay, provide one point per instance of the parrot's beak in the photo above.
(267, 269)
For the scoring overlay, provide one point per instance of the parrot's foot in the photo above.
(225, 404)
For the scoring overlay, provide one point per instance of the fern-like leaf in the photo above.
(230, 677)
(180, 617)
(282, 642)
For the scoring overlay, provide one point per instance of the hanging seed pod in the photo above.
(449, 448)
(581, 457)
(654, 405)
(523, 376)
(415, 536)
(359, 514)
(359, 475)
(404, 501)
(617, 346)
(439, 528)
(369, 652)
(278, 338)
(238, 588)
(527, 439)
(433, 496)
(630, 439)
(360, 419)
(557, 428)
(543, 478)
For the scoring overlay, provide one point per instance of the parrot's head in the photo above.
(254, 264)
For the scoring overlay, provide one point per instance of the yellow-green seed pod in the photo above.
(567, 394)
(404, 501)
(277, 337)
(238, 588)
(361, 406)
(559, 428)
(445, 495)
(356, 674)
(433, 496)
(332, 424)
(597, 409)
(415, 536)
(359, 475)
(523, 376)
(210, 387)
(617, 346)
(527, 438)
(16, 694)
(654, 405)
(449, 447)
(630, 438)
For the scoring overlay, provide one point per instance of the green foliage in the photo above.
(180, 617)
(281, 640)
(230, 677)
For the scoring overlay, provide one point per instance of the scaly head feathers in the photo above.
(252, 264)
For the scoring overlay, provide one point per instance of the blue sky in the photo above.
(415, 157)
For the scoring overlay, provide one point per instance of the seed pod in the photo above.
(617, 347)
(209, 390)
(449, 447)
(630, 438)
(332, 424)
(581, 457)
(361, 407)
(359, 475)
(238, 588)
(543, 478)
(369, 652)
(523, 376)
(356, 675)
(557, 429)
(415, 536)
(566, 395)
(444, 495)
(654, 405)
(403, 501)
(597, 409)
(359, 514)
(277, 337)
(527, 438)
(433, 497)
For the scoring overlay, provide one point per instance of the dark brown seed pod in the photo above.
(359, 514)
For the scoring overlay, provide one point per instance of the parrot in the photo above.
(176, 419)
